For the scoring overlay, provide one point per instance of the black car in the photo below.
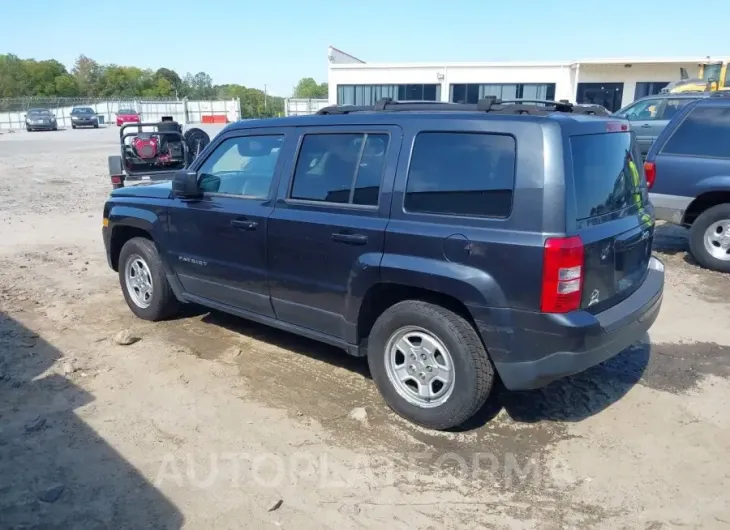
(40, 120)
(84, 117)
(451, 244)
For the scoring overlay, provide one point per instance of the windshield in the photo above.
(607, 178)
(82, 110)
(712, 71)
(39, 112)
(127, 111)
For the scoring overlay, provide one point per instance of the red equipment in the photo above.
(146, 147)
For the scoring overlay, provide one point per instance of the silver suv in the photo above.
(649, 115)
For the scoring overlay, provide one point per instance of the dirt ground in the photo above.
(209, 421)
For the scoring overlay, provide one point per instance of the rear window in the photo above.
(127, 111)
(704, 132)
(605, 170)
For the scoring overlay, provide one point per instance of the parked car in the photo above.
(649, 115)
(688, 168)
(40, 120)
(84, 117)
(450, 244)
(127, 116)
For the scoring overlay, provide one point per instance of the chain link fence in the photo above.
(303, 107)
(13, 110)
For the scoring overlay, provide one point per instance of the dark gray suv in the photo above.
(451, 244)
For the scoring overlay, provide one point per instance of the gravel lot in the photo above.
(209, 421)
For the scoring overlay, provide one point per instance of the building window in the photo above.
(651, 88)
(472, 92)
(369, 94)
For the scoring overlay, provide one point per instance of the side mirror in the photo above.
(185, 184)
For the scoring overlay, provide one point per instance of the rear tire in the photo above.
(143, 281)
(73, 126)
(708, 234)
(432, 395)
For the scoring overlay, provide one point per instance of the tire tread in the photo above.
(165, 303)
(464, 333)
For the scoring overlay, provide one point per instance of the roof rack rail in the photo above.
(486, 104)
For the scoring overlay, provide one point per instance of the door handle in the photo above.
(350, 239)
(244, 224)
(645, 126)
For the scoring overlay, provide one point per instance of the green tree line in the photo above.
(90, 79)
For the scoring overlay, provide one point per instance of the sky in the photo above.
(277, 42)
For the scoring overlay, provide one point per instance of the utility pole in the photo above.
(265, 94)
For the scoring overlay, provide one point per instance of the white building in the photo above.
(613, 83)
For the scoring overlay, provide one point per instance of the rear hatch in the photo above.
(613, 216)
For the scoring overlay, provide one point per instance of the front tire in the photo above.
(429, 364)
(709, 238)
(143, 281)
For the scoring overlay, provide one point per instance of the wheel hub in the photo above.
(419, 367)
(717, 240)
(138, 280)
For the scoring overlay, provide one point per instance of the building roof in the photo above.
(521, 64)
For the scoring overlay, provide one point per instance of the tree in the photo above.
(88, 78)
(307, 88)
(198, 86)
(66, 86)
(87, 73)
(171, 77)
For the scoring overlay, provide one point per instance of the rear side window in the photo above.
(672, 107)
(606, 174)
(340, 168)
(704, 132)
(457, 173)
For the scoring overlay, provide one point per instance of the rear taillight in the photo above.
(650, 172)
(562, 274)
(117, 181)
(616, 126)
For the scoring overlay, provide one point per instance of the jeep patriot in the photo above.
(451, 244)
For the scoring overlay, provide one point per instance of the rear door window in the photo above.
(672, 106)
(705, 132)
(607, 176)
(458, 173)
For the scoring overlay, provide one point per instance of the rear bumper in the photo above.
(541, 348)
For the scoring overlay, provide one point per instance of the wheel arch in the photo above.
(124, 224)
(703, 202)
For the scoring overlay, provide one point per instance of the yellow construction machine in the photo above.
(714, 75)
